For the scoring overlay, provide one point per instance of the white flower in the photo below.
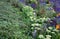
(44, 18)
(50, 28)
(41, 36)
(36, 24)
(53, 33)
(32, 24)
(56, 30)
(37, 28)
(34, 13)
(48, 36)
(31, 17)
(34, 18)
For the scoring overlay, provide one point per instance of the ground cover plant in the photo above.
(29, 19)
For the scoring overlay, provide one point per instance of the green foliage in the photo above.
(18, 21)
(11, 24)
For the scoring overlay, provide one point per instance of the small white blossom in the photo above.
(34, 18)
(48, 36)
(50, 28)
(41, 36)
(44, 18)
(37, 28)
(56, 30)
(37, 24)
(53, 33)
(31, 17)
(32, 24)
(34, 13)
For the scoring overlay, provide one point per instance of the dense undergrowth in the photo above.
(20, 21)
